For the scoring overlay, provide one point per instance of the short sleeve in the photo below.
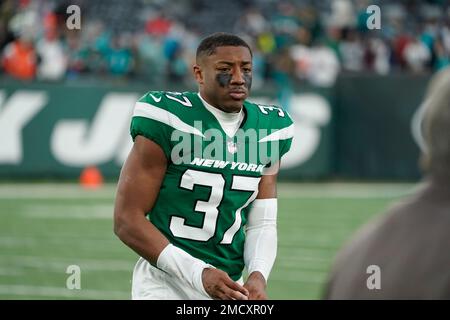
(285, 146)
(146, 122)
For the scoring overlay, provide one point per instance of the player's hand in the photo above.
(220, 286)
(256, 286)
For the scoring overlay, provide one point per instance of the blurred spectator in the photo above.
(177, 66)
(301, 58)
(319, 64)
(324, 66)
(399, 43)
(417, 55)
(19, 58)
(53, 58)
(173, 49)
(409, 244)
(119, 58)
(362, 15)
(158, 25)
(442, 57)
(266, 43)
(284, 24)
(76, 60)
(26, 19)
(252, 23)
(352, 51)
(150, 56)
(342, 14)
(163, 36)
(308, 18)
(283, 68)
(381, 56)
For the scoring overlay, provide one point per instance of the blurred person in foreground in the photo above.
(201, 209)
(411, 242)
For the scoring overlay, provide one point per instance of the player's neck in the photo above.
(205, 99)
(221, 115)
(230, 122)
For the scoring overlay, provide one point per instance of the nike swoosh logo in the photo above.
(155, 98)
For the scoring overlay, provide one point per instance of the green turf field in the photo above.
(44, 228)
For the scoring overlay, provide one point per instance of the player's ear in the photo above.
(198, 74)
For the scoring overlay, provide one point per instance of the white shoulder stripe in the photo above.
(285, 133)
(150, 111)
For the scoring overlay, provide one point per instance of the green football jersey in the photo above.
(211, 178)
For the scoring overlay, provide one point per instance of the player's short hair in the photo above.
(436, 124)
(209, 44)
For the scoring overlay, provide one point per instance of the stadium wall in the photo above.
(361, 128)
(377, 126)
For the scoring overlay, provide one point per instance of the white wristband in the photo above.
(182, 265)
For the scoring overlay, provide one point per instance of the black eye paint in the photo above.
(248, 80)
(224, 80)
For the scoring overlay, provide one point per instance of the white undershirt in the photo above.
(230, 122)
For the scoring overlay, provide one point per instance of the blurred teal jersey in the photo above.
(211, 178)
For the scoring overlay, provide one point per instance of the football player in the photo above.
(198, 215)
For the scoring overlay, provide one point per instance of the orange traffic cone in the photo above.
(91, 178)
